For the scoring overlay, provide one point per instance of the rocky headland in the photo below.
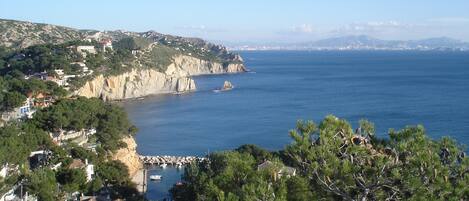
(142, 82)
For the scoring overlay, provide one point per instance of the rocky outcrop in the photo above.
(189, 66)
(133, 84)
(227, 85)
(143, 82)
(129, 156)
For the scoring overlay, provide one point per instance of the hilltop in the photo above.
(110, 65)
(20, 34)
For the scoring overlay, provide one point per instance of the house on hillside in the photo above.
(84, 69)
(7, 170)
(87, 167)
(24, 111)
(79, 137)
(41, 75)
(39, 158)
(85, 49)
(42, 100)
(18, 192)
(278, 170)
(32, 102)
(106, 43)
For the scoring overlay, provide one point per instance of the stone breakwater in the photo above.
(170, 160)
(143, 82)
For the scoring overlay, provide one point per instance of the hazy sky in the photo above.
(255, 20)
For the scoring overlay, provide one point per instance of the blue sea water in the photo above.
(390, 88)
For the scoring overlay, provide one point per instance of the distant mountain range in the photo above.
(362, 42)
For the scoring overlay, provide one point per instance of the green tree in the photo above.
(42, 183)
(72, 179)
(12, 100)
(113, 172)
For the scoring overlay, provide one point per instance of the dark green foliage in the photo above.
(13, 91)
(3, 54)
(132, 43)
(72, 179)
(113, 172)
(159, 57)
(94, 186)
(110, 120)
(299, 189)
(17, 141)
(39, 58)
(43, 184)
(335, 163)
(258, 153)
(83, 154)
(230, 176)
(11, 100)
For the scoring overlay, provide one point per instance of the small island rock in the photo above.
(227, 85)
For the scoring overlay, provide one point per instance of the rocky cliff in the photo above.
(189, 66)
(143, 82)
(129, 156)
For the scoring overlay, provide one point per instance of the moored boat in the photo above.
(155, 177)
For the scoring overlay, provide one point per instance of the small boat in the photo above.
(163, 165)
(155, 177)
(179, 165)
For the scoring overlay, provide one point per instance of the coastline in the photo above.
(138, 171)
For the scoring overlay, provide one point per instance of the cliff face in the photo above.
(190, 66)
(129, 156)
(133, 84)
(143, 82)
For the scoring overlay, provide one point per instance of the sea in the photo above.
(393, 89)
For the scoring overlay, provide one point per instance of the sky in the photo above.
(255, 20)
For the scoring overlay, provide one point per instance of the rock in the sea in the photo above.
(227, 85)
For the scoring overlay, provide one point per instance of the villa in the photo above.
(39, 158)
(41, 75)
(279, 170)
(79, 137)
(84, 69)
(87, 167)
(84, 49)
(24, 111)
(106, 43)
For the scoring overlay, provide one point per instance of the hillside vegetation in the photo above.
(334, 162)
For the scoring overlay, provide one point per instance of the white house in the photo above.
(84, 69)
(59, 72)
(106, 43)
(8, 169)
(89, 169)
(16, 195)
(4, 171)
(85, 49)
(24, 111)
(60, 136)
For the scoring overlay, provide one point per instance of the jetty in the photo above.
(170, 160)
